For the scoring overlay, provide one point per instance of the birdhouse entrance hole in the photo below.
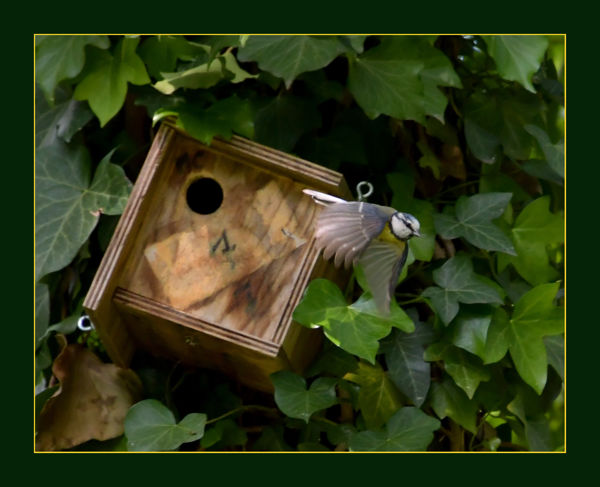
(204, 196)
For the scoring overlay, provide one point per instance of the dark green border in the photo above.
(322, 17)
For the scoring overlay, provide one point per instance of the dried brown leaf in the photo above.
(91, 403)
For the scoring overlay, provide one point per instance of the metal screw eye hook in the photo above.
(81, 323)
(363, 196)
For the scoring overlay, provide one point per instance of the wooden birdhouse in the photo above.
(211, 256)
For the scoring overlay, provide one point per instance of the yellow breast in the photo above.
(387, 236)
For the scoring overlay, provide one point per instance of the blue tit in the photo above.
(371, 235)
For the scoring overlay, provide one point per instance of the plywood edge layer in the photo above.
(247, 151)
(123, 232)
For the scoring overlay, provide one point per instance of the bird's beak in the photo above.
(417, 234)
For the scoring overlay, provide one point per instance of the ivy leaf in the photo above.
(198, 77)
(66, 326)
(160, 53)
(289, 56)
(42, 310)
(495, 121)
(535, 316)
(220, 119)
(470, 329)
(62, 121)
(105, 83)
(555, 350)
(429, 159)
(424, 246)
(224, 433)
(458, 283)
(332, 361)
(404, 358)
(410, 429)
(151, 426)
(356, 328)
(517, 57)
(296, 401)
(535, 228)
(447, 400)
(466, 369)
(271, 439)
(554, 153)
(68, 205)
(378, 398)
(282, 121)
(497, 340)
(473, 221)
(62, 57)
(399, 78)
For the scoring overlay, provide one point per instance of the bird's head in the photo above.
(405, 226)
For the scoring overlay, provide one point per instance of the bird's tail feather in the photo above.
(323, 198)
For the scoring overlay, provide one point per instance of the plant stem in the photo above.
(241, 409)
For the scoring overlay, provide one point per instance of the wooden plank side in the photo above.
(197, 348)
(252, 153)
(98, 301)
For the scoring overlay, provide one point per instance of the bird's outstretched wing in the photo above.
(345, 229)
(382, 263)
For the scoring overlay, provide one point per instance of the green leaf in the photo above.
(199, 77)
(288, 56)
(150, 426)
(68, 206)
(495, 121)
(406, 367)
(356, 328)
(470, 329)
(466, 369)
(378, 398)
(410, 429)
(554, 153)
(429, 159)
(62, 57)
(105, 82)
(447, 400)
(334, 361)
(282, 121)
(555, 350)
(458, 283)
(517, 57)
(160, 53)
(66, 326)
(271, 439)
(535, 316)
(234, 68)
(295, 401)
(497, 340)
(424, 246)
(535, 228)
(473, 221)
(42, 310)
(220, 119)
(356, 42)
(225, 433)
(61, 121)
(400, 77)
